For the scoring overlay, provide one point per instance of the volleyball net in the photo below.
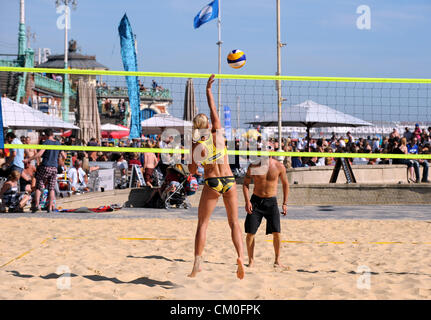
(344, 116)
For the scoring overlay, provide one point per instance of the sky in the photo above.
(322, 37)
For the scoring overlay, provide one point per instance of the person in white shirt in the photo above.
(78, 178)
(342, 142)
(376, 145)
(121, 164)
(301, 144)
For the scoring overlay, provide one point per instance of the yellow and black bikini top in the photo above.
(213, 153)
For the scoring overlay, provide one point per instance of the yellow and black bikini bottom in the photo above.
(220, 184)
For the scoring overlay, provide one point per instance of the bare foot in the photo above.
(240, 270)
(196, 267)
(250, 263)
(277, 264)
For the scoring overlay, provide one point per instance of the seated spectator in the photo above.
(92, 142)
(10, 195)
(93, 156)
(376, 145)
(402, 149)
(413, 148)
(417, 133)
(121, 165)
(135, 160)
(78, 178)
(372, 161)
(385, 143)
(394, 134)
(356, 160)
(329, 161)
(101, 156)
(27, 181)
(296, 162)
(200, 174)
(311, 162)
(407, 134)
(320, 162)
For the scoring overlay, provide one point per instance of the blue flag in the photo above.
(207, 13)
(128, 54)
(227, 123)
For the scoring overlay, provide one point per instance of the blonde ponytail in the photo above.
(200, 122)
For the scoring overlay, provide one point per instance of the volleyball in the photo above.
(236, 59)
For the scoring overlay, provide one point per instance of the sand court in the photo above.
(42, 258)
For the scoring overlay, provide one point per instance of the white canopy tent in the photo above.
(311, 114)
(162, 121)
(20, 116)
(112, 127)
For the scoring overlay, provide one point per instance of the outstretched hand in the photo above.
(210, 81)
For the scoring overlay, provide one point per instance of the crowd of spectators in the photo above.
(417, 141)
(23, 168)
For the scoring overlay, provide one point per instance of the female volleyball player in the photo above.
(209, 149)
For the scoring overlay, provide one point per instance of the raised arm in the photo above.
(215, 121)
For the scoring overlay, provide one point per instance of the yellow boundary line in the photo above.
(284, 241)
(143, 239)
(176, 239)
(218, 76)
(229, 152)
(24, 254)
(119, 238)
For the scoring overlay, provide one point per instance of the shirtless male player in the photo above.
(263, 203)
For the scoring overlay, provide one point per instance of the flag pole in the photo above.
(278, 82)
(219, 43)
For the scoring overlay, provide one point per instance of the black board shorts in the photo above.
(263, 207)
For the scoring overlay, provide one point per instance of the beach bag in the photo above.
(191, 185)
(44, 200)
